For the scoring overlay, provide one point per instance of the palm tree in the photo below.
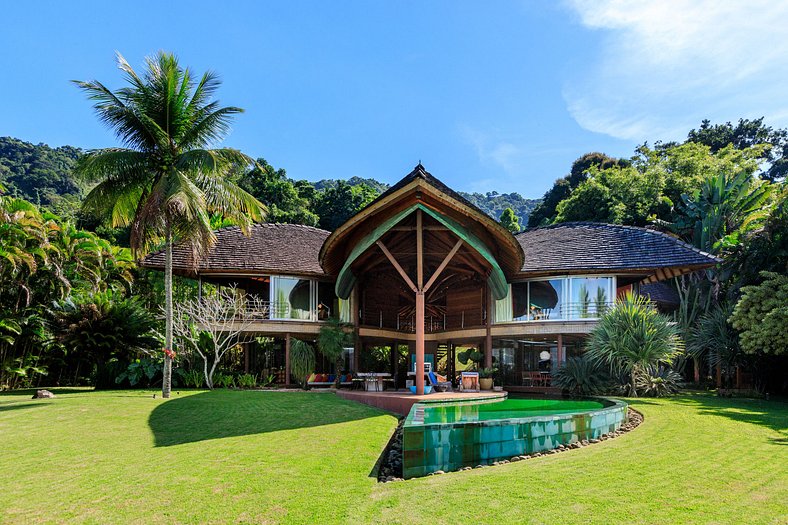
(166, 181)
(633, 336)
(332, 341)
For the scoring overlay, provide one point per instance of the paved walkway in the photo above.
(400, 402)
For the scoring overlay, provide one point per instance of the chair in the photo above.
(439, 383)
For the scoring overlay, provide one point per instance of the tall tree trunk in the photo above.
(632, 378)
(166, 383)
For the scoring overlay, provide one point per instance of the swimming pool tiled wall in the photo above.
(450, 446)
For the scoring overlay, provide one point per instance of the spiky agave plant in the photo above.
(633, 336)
(167, 179)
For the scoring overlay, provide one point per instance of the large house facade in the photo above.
(424, 275)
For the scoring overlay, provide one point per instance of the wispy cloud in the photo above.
(665, 66)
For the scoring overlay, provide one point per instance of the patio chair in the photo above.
(439, 384)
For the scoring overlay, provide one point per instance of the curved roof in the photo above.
(580, 246)
(270, 248)
(422, 187)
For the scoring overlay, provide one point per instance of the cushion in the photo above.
(342, 378)
(433, 379)
(331, 378)
(311, 378)
(321, 378)
(350, 377)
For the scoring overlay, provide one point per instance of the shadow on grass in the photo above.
(54, 389)
(227, 413)
(771, 414)
(21, 406)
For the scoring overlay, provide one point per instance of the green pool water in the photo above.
(507, 409)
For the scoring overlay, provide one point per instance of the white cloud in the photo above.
(666, 65)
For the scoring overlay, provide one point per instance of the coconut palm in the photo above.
(166, 181)
(633, 336)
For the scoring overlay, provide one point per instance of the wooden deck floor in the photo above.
(401, 401)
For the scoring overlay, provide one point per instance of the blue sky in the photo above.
(488, 95)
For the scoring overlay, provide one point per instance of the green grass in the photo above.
(264, 457)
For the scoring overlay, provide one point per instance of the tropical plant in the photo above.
(581, 376)
(332, 340)
(194, 378)
(302, 361)
(471, 355)
(247, 381)
(166, 181)
(138, 370)
(489, 372)
(761, 316)
(715, 340)
(658, 381)
(633, 336)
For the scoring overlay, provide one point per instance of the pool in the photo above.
(448, 436)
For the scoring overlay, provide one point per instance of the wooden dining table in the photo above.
(373, 381)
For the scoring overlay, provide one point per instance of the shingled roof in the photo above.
(270, 248)
(578, 246)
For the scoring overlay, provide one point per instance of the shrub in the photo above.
(658, 382)
(247, 381)
(223, 380)
(302, 361)
(194, 378)
(582, 376)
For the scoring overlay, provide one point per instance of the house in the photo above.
(423, 275)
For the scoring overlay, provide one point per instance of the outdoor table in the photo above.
(373, 381)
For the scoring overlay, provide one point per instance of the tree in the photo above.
(332, 340)
(761, 316)
(214, 324)
(510, 221)
(716, 340)
(302, 361)
(744, 134)
(337, 204)
(166, 182)
(545, 212)
(285, 200)
(633, 336)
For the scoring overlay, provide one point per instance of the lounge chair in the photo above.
(439, 383)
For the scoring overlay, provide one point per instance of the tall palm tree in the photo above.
(166, 180)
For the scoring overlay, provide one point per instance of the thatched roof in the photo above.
(269, 248)
(582, 246)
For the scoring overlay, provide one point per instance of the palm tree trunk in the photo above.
(166, 383)
(632, 390)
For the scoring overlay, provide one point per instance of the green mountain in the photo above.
(43, 175)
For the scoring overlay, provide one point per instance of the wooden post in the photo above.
(287, 359)
(395, 354)
(355, 305)
(560, 356)
(488, 331)
(719, 376)
(420, 343)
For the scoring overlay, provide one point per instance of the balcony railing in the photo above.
(282, 311)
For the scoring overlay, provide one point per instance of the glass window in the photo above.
(520, 301)
(545, 299)
(327, 304)
(590, 296)
(291, 298)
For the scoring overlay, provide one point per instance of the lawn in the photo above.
(265, 457)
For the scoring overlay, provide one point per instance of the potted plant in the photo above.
(486, 377)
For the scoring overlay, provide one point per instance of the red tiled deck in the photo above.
(400, 402)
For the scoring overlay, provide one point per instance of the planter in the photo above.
(486, 383)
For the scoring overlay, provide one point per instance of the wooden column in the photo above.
(420, 343)
(356, 321)
(419, 305)
(287, 359)
(395, 356)
(560, 350)
(488, 332)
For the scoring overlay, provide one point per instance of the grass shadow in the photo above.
(21, 406)
(761, 412)
(226, 413)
